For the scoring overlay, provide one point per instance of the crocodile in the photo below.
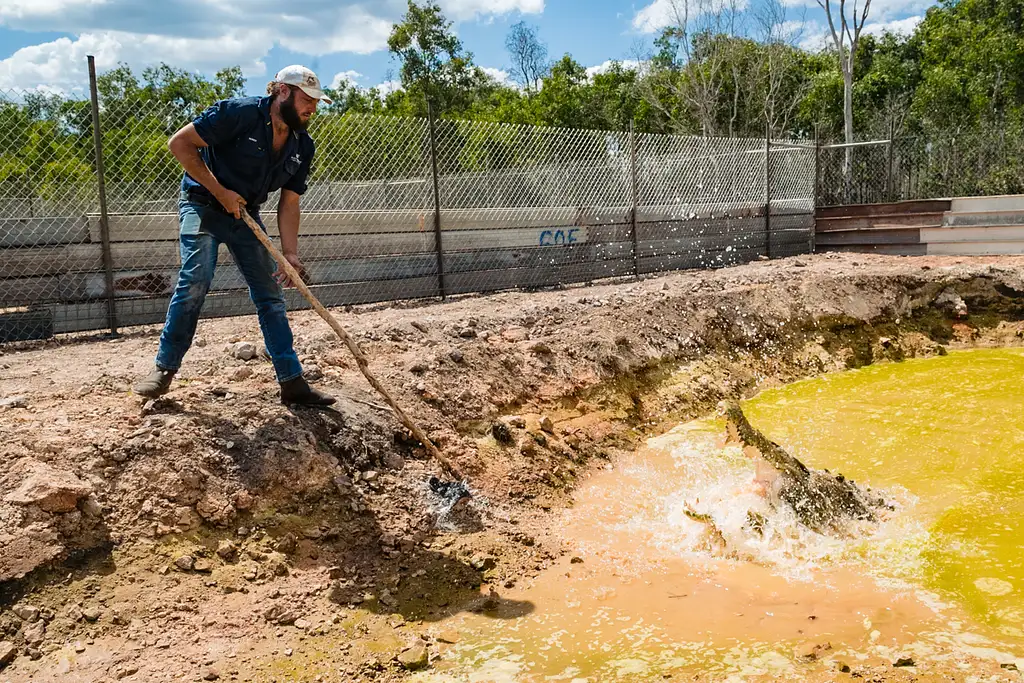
(823, 502)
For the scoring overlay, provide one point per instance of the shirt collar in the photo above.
(264, 105)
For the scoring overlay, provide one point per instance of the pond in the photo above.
(938, 582)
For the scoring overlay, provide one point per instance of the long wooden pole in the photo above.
(361, 360)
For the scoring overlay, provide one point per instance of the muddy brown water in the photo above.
(638, 596)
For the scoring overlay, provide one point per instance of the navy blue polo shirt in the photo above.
(240, 135)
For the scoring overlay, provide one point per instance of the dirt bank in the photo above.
(215, 534)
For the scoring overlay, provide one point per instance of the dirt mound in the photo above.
(219, 530)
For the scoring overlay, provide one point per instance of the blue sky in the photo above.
(44, 43)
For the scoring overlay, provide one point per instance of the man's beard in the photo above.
(290, 114)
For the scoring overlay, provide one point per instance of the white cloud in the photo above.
(468, 9)
(656, 16)
(345, 77)
(626, 64)
(498, 75)
(388, 87)
(204, 34)
(811, 36)
(664, 13)
(903, 27)
(61, 64)
(881, 10)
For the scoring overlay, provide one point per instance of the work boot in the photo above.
(297, 391)
(155, 384)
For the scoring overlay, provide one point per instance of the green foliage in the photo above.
(959, 76)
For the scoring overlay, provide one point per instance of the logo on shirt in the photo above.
(296, 159)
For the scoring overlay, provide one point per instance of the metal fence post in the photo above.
(437, 202)
(767, 189)
(817, 166)
(817, 186)
(890, 193)
(97, 137)
(635, 199)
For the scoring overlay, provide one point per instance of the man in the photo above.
(235, 154)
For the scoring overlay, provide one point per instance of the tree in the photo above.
(435, 68)
(689, 73)
(846, 40)
(529, 56)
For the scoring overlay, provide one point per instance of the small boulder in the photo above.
(243, 351)
(414, 658)
(12, 402)
(7, 653)
(91, 613)
(185, 563)
(29, 613)
(242, 373)
(50, 489)
(502, 433)
(227, 550)
(904, 661)
(547, 425)
(540, 348)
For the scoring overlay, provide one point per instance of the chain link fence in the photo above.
(982, 162)
(396, 209)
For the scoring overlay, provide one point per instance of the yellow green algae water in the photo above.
(951, 431)
(940, 579)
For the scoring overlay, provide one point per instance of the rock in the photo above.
(91, 507)
(34, 633)
(514, 334)
(50, 490)
(92, 613)
(13, 402)
(313, 373)
(280, 615)
(843, 667)
(540, 348)
(34, 653)
(242, 373)
(211, 674)
(547, 425)
(243, 351)
(415, 658)
(812, 653)
(483, 563)
(576, 560)
(185, 563)
(7, 653)
(502, 433)
(302, 624)
(418, 368)
(952, 302)
(467, 333)
(904, 661)
(125, 671)
(1009, 666)
(370, 475)
(420, 325)
(227, 550)
(79, 647)
(450, 636)
(203, 566)
(516, 421)
(456, 356)
(28, 613)
(219, 391)
(387, 599)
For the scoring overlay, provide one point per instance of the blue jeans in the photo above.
(203, 230)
